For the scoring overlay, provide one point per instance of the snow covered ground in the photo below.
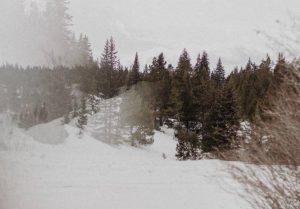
(55, 169)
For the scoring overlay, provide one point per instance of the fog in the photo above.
(233, 30)
(36, 34)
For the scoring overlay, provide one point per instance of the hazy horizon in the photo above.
(230, 30)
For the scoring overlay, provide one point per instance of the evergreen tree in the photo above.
(134, 76)
(109, 83)
(85, 56)
(174, 104)
(57, 24)
(187, 146)
(160, 77)
(182, 83)
(201, 85)
(109, 65)
(219, 75)
(203, 65)
(280, 69)
(145, 75)
(221, 124)
(82, 120)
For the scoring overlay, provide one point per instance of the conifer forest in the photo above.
(80, 128)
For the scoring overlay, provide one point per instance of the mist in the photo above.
(37, 33)
(33, 37)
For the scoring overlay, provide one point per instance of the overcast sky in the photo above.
(224, 28)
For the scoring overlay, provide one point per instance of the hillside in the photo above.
(50, 167)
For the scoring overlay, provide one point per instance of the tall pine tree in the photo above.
(134, 75)
(182, 84)
(202, 91)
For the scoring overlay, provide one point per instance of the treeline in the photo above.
(40, 94)
(203, 104)
(199, 101)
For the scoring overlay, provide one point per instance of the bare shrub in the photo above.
(271, 174)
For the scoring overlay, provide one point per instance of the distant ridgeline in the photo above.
(202, 103)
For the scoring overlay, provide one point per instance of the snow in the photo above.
(87, 173)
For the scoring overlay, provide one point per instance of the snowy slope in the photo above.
(87, 173)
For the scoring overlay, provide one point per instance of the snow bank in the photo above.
(74, 172)
(51, 133)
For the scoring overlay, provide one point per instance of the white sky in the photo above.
(225, 28)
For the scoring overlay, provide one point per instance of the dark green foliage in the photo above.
(221, 125)
(182, 84)
(218, 76)
(202, 88)
(174, 104)
(203, 106)
(134, 75)
(187, 146)
(202, 65)
(82, 116)
(250, 86)
(109, 70)
(160, 77)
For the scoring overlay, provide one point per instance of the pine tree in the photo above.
(109, 66)
(280, 69)
(145, 75)
(174, 104)
(202, 89)
(134, 76)
(203, 65)
(182, 149)
(108, 82)
(221, 124)
(82, 120)
(85, 57)
(182, 83)
(219, 75)
(158, 68)
(187, 146)
(59, 36)
(161, 80)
